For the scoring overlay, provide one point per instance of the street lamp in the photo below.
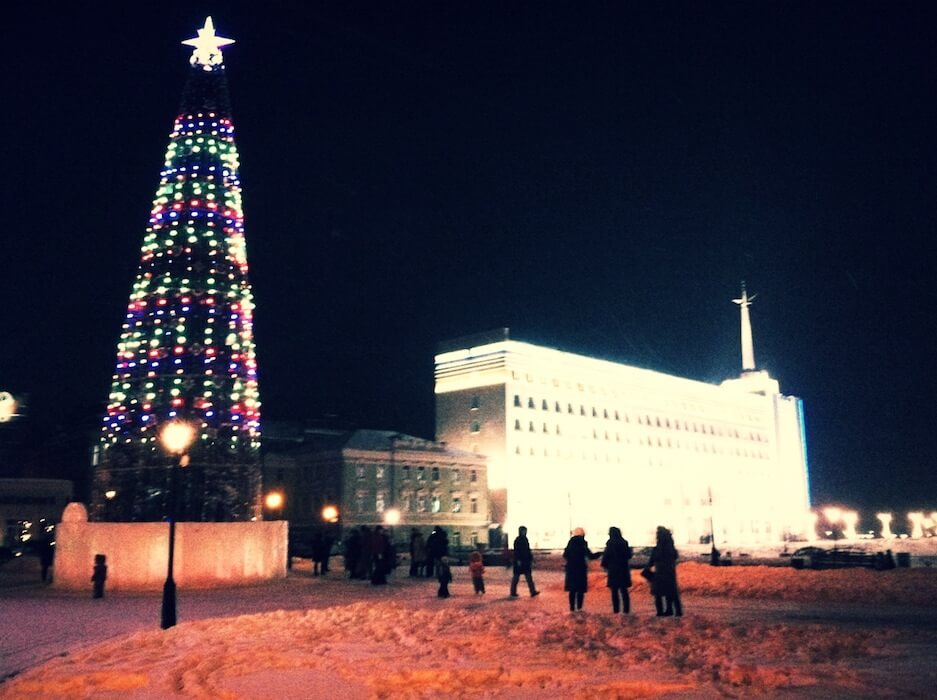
(330, 514)
(274, 501)
(176, 437)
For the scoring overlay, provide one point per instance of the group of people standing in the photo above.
(371, 554)
(661, 571)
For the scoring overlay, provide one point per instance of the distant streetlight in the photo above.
(850, 520)
(391, 517)
(330, 514)
(175, 437)
(917, 524)
(885, 519)
(274, 501)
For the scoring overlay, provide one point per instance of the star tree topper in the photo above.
(207, 46)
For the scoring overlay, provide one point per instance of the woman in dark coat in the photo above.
(615, 560)
(577, 555)
(663, 562)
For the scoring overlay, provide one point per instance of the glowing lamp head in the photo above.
(274, 500)
(330, 514)
(177, 436)
(110, 494)
(833, 514)
(392, 516)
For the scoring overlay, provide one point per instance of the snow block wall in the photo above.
(206, 554)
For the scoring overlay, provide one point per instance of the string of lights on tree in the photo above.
(186, 349)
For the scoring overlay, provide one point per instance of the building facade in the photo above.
(377, 477)
(574, 441)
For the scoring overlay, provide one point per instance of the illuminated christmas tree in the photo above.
(186, 352)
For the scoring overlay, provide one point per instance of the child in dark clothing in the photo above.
(444, 575)
(477, 570)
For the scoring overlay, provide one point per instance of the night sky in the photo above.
(597, 177)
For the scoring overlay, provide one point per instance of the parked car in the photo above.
(838, 558)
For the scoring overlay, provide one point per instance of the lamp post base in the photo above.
(168, 617)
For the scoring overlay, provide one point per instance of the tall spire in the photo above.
(748, 347)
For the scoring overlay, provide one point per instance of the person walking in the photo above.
(615, 561)
(663, 563)
(523, 563)
(477, 570)
(577, 555)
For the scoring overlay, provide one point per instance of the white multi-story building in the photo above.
(574, 441)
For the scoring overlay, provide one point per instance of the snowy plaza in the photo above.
(748, 631)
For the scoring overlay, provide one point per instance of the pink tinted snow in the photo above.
(411, 645)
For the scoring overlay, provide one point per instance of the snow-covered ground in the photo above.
(747, 631)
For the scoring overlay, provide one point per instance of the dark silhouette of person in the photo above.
(46, 556)
(523, 563)
(352, 552)
(616, 562)
(417, 553)
(444, 576)
(363, 568)
(327, 542)
(437, 547)
(99, 575)
(577, 555)
(663, 563)
(380, 555)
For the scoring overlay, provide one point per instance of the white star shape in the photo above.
(207, 46)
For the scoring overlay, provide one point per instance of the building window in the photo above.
(359, 502)
(557, 428)
(420, 473)
(531, 428)
(380, 471)
(473, 476)
(421, 504)
(456, 504)
(435, 473)
(379, 502)
(595, 413)
(582, 410)
(517, 400)
(436, 504)
(456, 476)
(517, 424)
(475, 403)
(569, 408)
(406, 473)
(545, 406)
(558, 408)
(473, 505)
(359, 471)
(530, 403)
(476, 426)
(605, 413)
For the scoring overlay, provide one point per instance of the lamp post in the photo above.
(175, 437)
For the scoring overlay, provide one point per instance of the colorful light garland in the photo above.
(186, 348)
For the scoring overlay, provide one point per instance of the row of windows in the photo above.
(411, 503)
(704, 448)
(597, 435)
(406, 473)
(592, 389)
(643, 419)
